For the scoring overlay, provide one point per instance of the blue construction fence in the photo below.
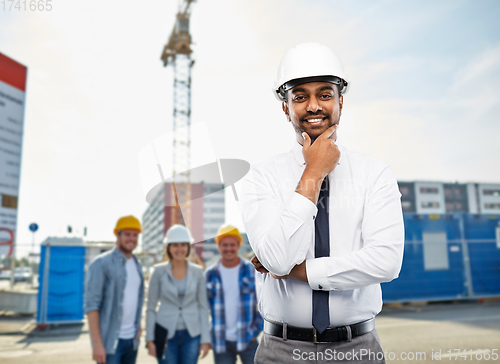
(447, 257)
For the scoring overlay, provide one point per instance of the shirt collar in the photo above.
(117, 253)
(299, 157)
(219, 263)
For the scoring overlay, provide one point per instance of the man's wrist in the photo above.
(97, 343)
(310, 184)
(299, 272)
(313, 173)
(317, 274)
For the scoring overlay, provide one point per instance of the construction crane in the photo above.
(177, 53)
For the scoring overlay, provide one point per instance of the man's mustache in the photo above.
(310, 115)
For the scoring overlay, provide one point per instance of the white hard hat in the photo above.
(178, 234)
(309, 62)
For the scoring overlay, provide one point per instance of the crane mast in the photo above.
(177, 53)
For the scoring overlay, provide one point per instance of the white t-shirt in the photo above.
(231, 289)
(130, 298)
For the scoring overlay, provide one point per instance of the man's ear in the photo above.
(341, 104)
(284, 106)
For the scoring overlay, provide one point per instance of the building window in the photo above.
(214, 200)
(404, 190)
(435, 251)
(491, 192)
(406, 205)
(214, 221)
(430, 205)
(214, 210)
(492, 206)
(429, 190)
(453, 191)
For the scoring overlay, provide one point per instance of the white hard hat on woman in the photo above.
(178, 234)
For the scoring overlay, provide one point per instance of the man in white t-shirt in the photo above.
(231, 292)
(114, 294)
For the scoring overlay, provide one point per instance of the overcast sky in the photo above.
(425, 95)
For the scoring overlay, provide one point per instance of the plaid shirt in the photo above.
(249, 321)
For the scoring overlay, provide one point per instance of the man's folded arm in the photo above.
(279, 235)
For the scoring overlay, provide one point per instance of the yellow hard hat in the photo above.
(228, 230)
(128, 222)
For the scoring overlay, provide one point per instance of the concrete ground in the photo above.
(414, 333)
(21, 343)
(419, 333)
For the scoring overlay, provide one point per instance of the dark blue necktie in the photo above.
(321, 313)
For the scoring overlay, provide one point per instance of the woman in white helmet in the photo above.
(178, 330)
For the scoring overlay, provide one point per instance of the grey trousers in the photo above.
(362, 349)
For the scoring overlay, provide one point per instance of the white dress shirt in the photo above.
(366, 236)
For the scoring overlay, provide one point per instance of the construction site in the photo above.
(180, 162)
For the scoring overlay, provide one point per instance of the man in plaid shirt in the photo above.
(231, 292)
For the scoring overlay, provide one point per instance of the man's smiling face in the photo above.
(229, 247)
(126, 240)
(313, 107)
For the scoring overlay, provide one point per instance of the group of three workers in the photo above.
(178, 300)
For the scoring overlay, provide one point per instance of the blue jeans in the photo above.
(182, 349)
(124, 353)
(229, 357)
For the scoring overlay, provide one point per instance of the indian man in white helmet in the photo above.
(325, 224)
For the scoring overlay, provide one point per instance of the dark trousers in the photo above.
(182, 349)
(125, 353)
